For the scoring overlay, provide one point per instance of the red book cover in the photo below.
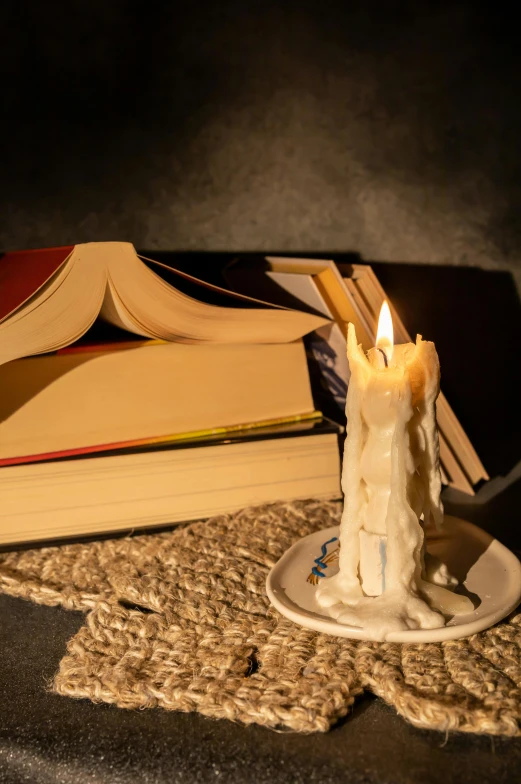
(24, 272)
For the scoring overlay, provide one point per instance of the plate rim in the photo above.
(328, 625)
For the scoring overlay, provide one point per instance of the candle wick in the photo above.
(384, 356)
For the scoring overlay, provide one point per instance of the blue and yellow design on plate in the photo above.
(324, 560)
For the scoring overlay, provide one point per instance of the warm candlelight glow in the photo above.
(385, 333)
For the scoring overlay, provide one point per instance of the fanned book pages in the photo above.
(50, 298)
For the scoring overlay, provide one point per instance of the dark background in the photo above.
(391, 130)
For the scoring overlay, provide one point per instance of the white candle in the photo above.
(391, 482)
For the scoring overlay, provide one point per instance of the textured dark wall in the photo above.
(261, 125)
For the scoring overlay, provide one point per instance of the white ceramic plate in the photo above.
(490, 574)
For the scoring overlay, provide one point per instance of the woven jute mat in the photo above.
(181, 620)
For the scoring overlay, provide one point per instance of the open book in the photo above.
(50, 298)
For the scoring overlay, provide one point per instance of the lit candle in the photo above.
(391, 482)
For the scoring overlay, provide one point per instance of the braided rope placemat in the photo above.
(181, 620)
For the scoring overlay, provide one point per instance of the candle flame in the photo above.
(385, 332)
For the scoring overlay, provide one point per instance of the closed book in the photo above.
(93, 398)
(138, 487)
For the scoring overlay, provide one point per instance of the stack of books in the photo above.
(179, 409)
(134, 394)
